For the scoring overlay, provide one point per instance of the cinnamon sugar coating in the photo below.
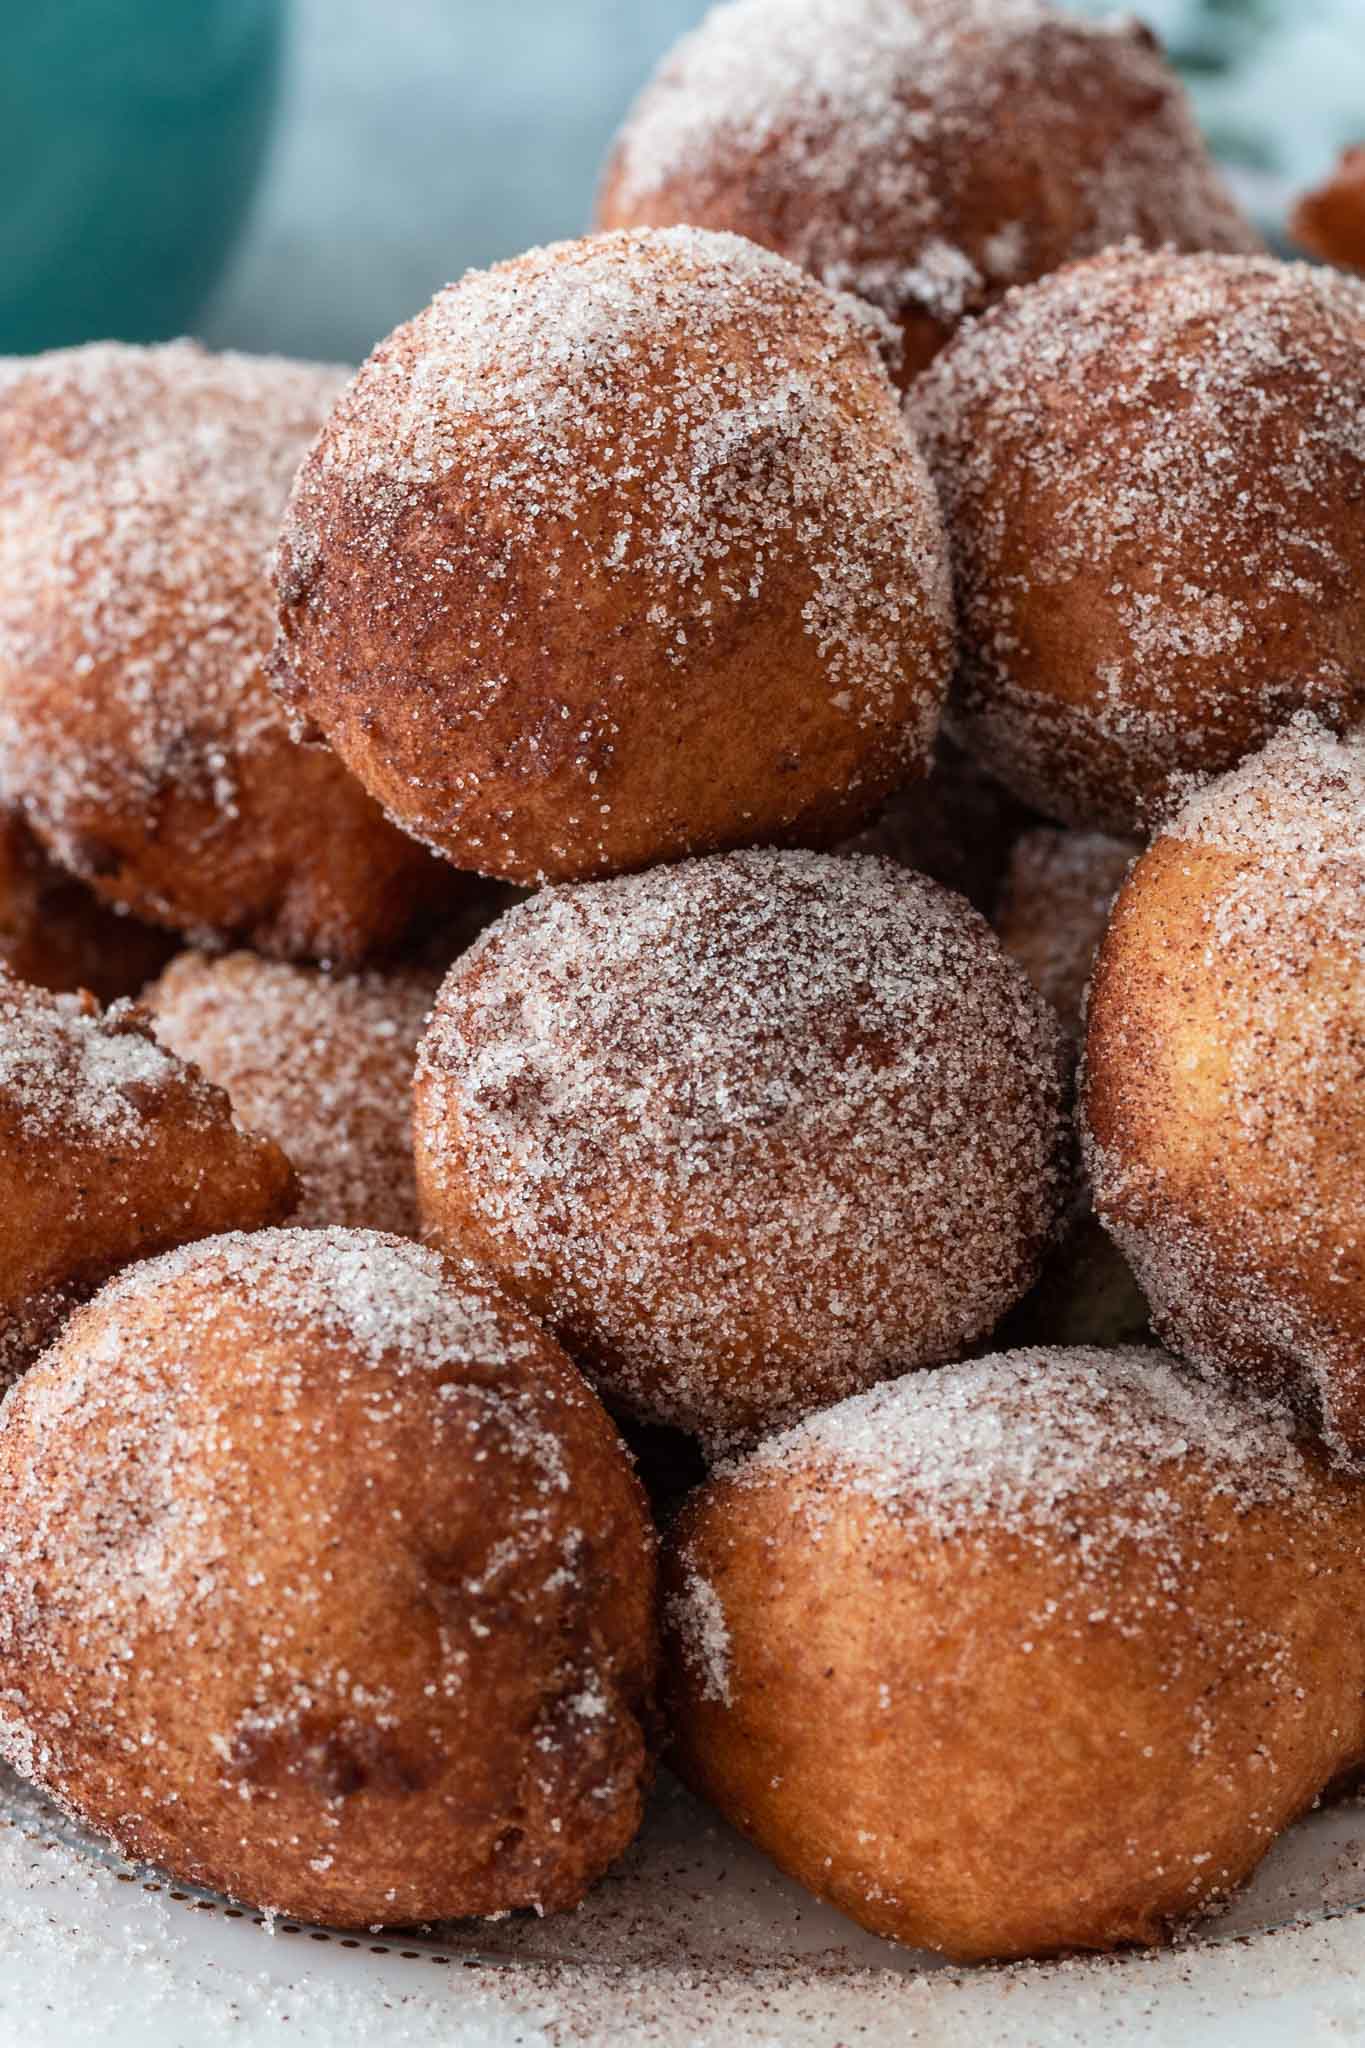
(1022, 1656)
(1153, 468)
(110, 1149)
(1225, 1078)
(617, 552)
(140, 491)
(749, 1132)
(325, 1581)
(320, 1062)
(926, 154)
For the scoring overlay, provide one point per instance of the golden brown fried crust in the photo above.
(1224, 1078)
(1331, 220)
(350, 1535)
(1152, 467)
(1020, 1731)
(139, 490)
(928, 165)
(567, 612)
(110, 1149)
(56, 934)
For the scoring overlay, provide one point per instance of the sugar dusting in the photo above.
(1277, 944)
(794, 1093)
(678, 413)
(140, 492)
(89, 1103)
(388, 1301)
(696, 1616)
(1297, 808)
(700, 1938)
(320, 1062)
(847, 124)
(132, 1468)
(1025, 1443)
(1205, 512)
(1089, 1458)
(68, 1068)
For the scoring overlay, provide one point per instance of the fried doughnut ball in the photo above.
(1033, 1654)
(140, 490)
(926, 154)
(957, 827)
(110, 1149)
(748, 1133)
(618, 552)
(1331, 220)
(56, 934)
(1224, 1095)
(1154, 473)
(325, 1581)
(1054, 906)
(320, 1062)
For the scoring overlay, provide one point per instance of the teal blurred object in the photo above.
(131, 136)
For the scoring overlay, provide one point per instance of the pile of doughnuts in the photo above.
(593, 834)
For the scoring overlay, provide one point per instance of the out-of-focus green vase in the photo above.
(131, 136)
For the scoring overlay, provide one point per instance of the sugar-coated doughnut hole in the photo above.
(1153, 470)
(1224, 1093)
(1058, 890)
(926, 154)
(111, 1149)
(321, 1062)
(749, 1132)
(1032, 1654)
(1330, 221)
(620, 551)
(140, 493)
(325, 1581)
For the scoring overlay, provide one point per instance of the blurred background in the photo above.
(302, 174)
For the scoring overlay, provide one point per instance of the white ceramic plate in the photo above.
(694, 1938)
